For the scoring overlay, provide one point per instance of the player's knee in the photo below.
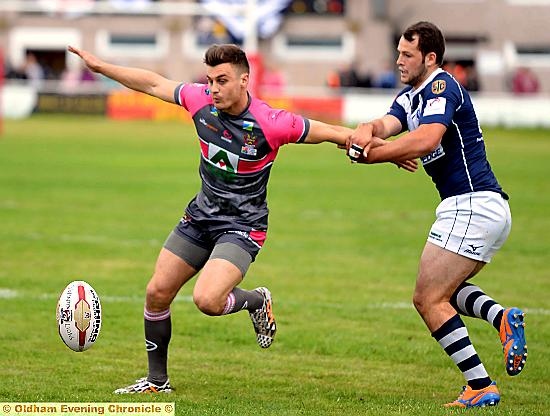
(157, 297)
(208, 304)
(419, 302)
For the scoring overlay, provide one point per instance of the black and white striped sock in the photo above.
(470, 300)
(453, 338)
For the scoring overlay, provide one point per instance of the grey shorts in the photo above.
(197, 242)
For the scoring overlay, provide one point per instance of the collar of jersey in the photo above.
(231, 116)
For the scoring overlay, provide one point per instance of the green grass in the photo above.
(87, 198)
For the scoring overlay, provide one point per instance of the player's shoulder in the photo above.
(262, 111)
(190, 95)
(443, 83)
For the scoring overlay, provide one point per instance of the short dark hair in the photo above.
(227, 53)
(430, 39)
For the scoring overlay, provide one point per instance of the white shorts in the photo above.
(474, 225)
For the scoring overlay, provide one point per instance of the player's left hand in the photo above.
(408, 165)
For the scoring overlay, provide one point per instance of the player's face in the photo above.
(228, 88)
(410, 63)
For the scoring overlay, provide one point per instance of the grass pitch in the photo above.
(92, 199)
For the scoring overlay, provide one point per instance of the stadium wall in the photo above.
(351, 108)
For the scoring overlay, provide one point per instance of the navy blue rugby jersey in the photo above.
(459, 165)
(237, 153)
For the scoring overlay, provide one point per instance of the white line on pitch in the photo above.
(6, 293)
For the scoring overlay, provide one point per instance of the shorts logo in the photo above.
(473, 250)
(438, 86)
(435, 236)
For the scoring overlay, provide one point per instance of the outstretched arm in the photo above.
(320, 132)
(136, 79)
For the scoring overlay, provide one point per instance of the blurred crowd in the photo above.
(522, 81)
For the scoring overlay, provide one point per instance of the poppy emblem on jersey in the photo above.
(227, 136)
(438, 86)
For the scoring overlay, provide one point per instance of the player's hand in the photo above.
(408, 165)
(359, 143)
(91, 61)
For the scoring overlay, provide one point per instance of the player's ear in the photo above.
(244, 78)
(431, 58)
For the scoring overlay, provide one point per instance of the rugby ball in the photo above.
(78, 316)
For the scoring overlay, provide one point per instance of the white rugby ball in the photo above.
(79, 316)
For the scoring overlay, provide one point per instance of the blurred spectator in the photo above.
(457, 71)
(210, 31)
(386, 78)
(86, 75)
(524, 81)
(472, 81)
(14, 73)
(33, 71)
(348, 77)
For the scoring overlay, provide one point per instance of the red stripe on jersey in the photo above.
(252, 166)
(258, 236)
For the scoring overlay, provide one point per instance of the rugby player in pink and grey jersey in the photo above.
(225, 224)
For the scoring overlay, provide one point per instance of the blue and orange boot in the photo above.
(512, 336)
(488, 396)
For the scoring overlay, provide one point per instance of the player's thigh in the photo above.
(441, 271)
(223, 271)
(171, 273)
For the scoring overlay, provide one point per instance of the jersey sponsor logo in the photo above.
(249, 150)
(439, 86)
(208, 126)
(435, 106)
(222, 158)
(430, 157)
(214, 111)
(248, 125)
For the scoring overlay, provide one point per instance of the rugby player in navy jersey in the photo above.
(225, 224)
(473, 219)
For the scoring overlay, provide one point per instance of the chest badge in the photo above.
(438, 86)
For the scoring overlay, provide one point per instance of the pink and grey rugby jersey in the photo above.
(237, 153)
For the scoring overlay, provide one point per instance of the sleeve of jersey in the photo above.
(192, 97)
(397, 110)
(285, 127)
(441, 101)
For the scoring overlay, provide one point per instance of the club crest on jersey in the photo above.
(249, 147)
(439, 86)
